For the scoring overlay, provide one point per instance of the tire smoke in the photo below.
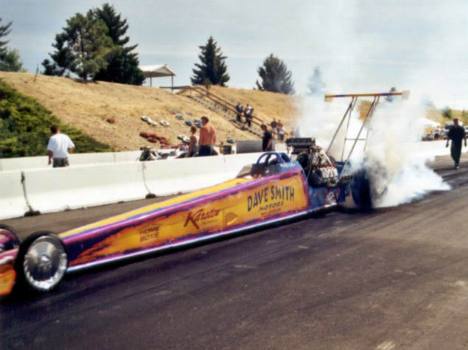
(392, 156)
(397, 167)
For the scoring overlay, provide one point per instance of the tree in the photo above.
(82, 48)
(9, 59)
(61, 58)
(316, 85)
(11, 62)
(275, 76)
(123, 63)
(212, 68)
(447, 113)
(4, 31)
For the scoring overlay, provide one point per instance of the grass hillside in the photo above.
(25, 127)
(88, 107)
(267, 105)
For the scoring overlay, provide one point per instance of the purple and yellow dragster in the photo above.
(273, 189)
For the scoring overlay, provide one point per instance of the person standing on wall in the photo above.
(58, 148)
(207, 138)
(456, 134)
(267, 139)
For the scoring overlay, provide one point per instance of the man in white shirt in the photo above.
(58, 147)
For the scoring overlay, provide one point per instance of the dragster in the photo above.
(276, 188)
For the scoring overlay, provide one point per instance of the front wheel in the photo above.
(42, 261)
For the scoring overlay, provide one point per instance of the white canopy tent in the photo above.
(158, 71)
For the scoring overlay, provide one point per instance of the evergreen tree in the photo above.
(212, 68)
(4, 31)
(9, 59)
(11, 62)
(316, 86)
(122, 62)
(275, 76)
(61, 58)
(82, 48)
(447, 113)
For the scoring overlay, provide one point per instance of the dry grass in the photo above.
(87, 106)
(267, 105)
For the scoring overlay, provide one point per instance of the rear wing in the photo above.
(345, 120)
(404, 94)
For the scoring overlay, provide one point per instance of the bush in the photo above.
(24, 127)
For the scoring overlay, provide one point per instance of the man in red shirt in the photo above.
(207, 138)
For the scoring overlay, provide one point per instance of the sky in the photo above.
(359, 45)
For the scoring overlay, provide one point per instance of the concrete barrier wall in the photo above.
(40, 162)
(8, 164)
(129, 156)
(51, 190)
(12, 199)
(78, 159)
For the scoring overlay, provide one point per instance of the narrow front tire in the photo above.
(42, 262)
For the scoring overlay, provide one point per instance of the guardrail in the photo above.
(48, 190)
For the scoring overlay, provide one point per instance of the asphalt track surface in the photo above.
(392, 279)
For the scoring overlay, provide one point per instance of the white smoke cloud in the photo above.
(393, 155)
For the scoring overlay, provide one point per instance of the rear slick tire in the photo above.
(361, 191)
(42, 262)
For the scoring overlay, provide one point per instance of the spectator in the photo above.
(193, 143)
(274, 127)
(58, 147)
(281, 131)
(248, 115)
(207, 138)
(239, 111)
(267, 139)
(456, 134)
(274, 124)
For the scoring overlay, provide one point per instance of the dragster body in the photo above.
(274, 189)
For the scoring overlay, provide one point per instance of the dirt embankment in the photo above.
(110, 113)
